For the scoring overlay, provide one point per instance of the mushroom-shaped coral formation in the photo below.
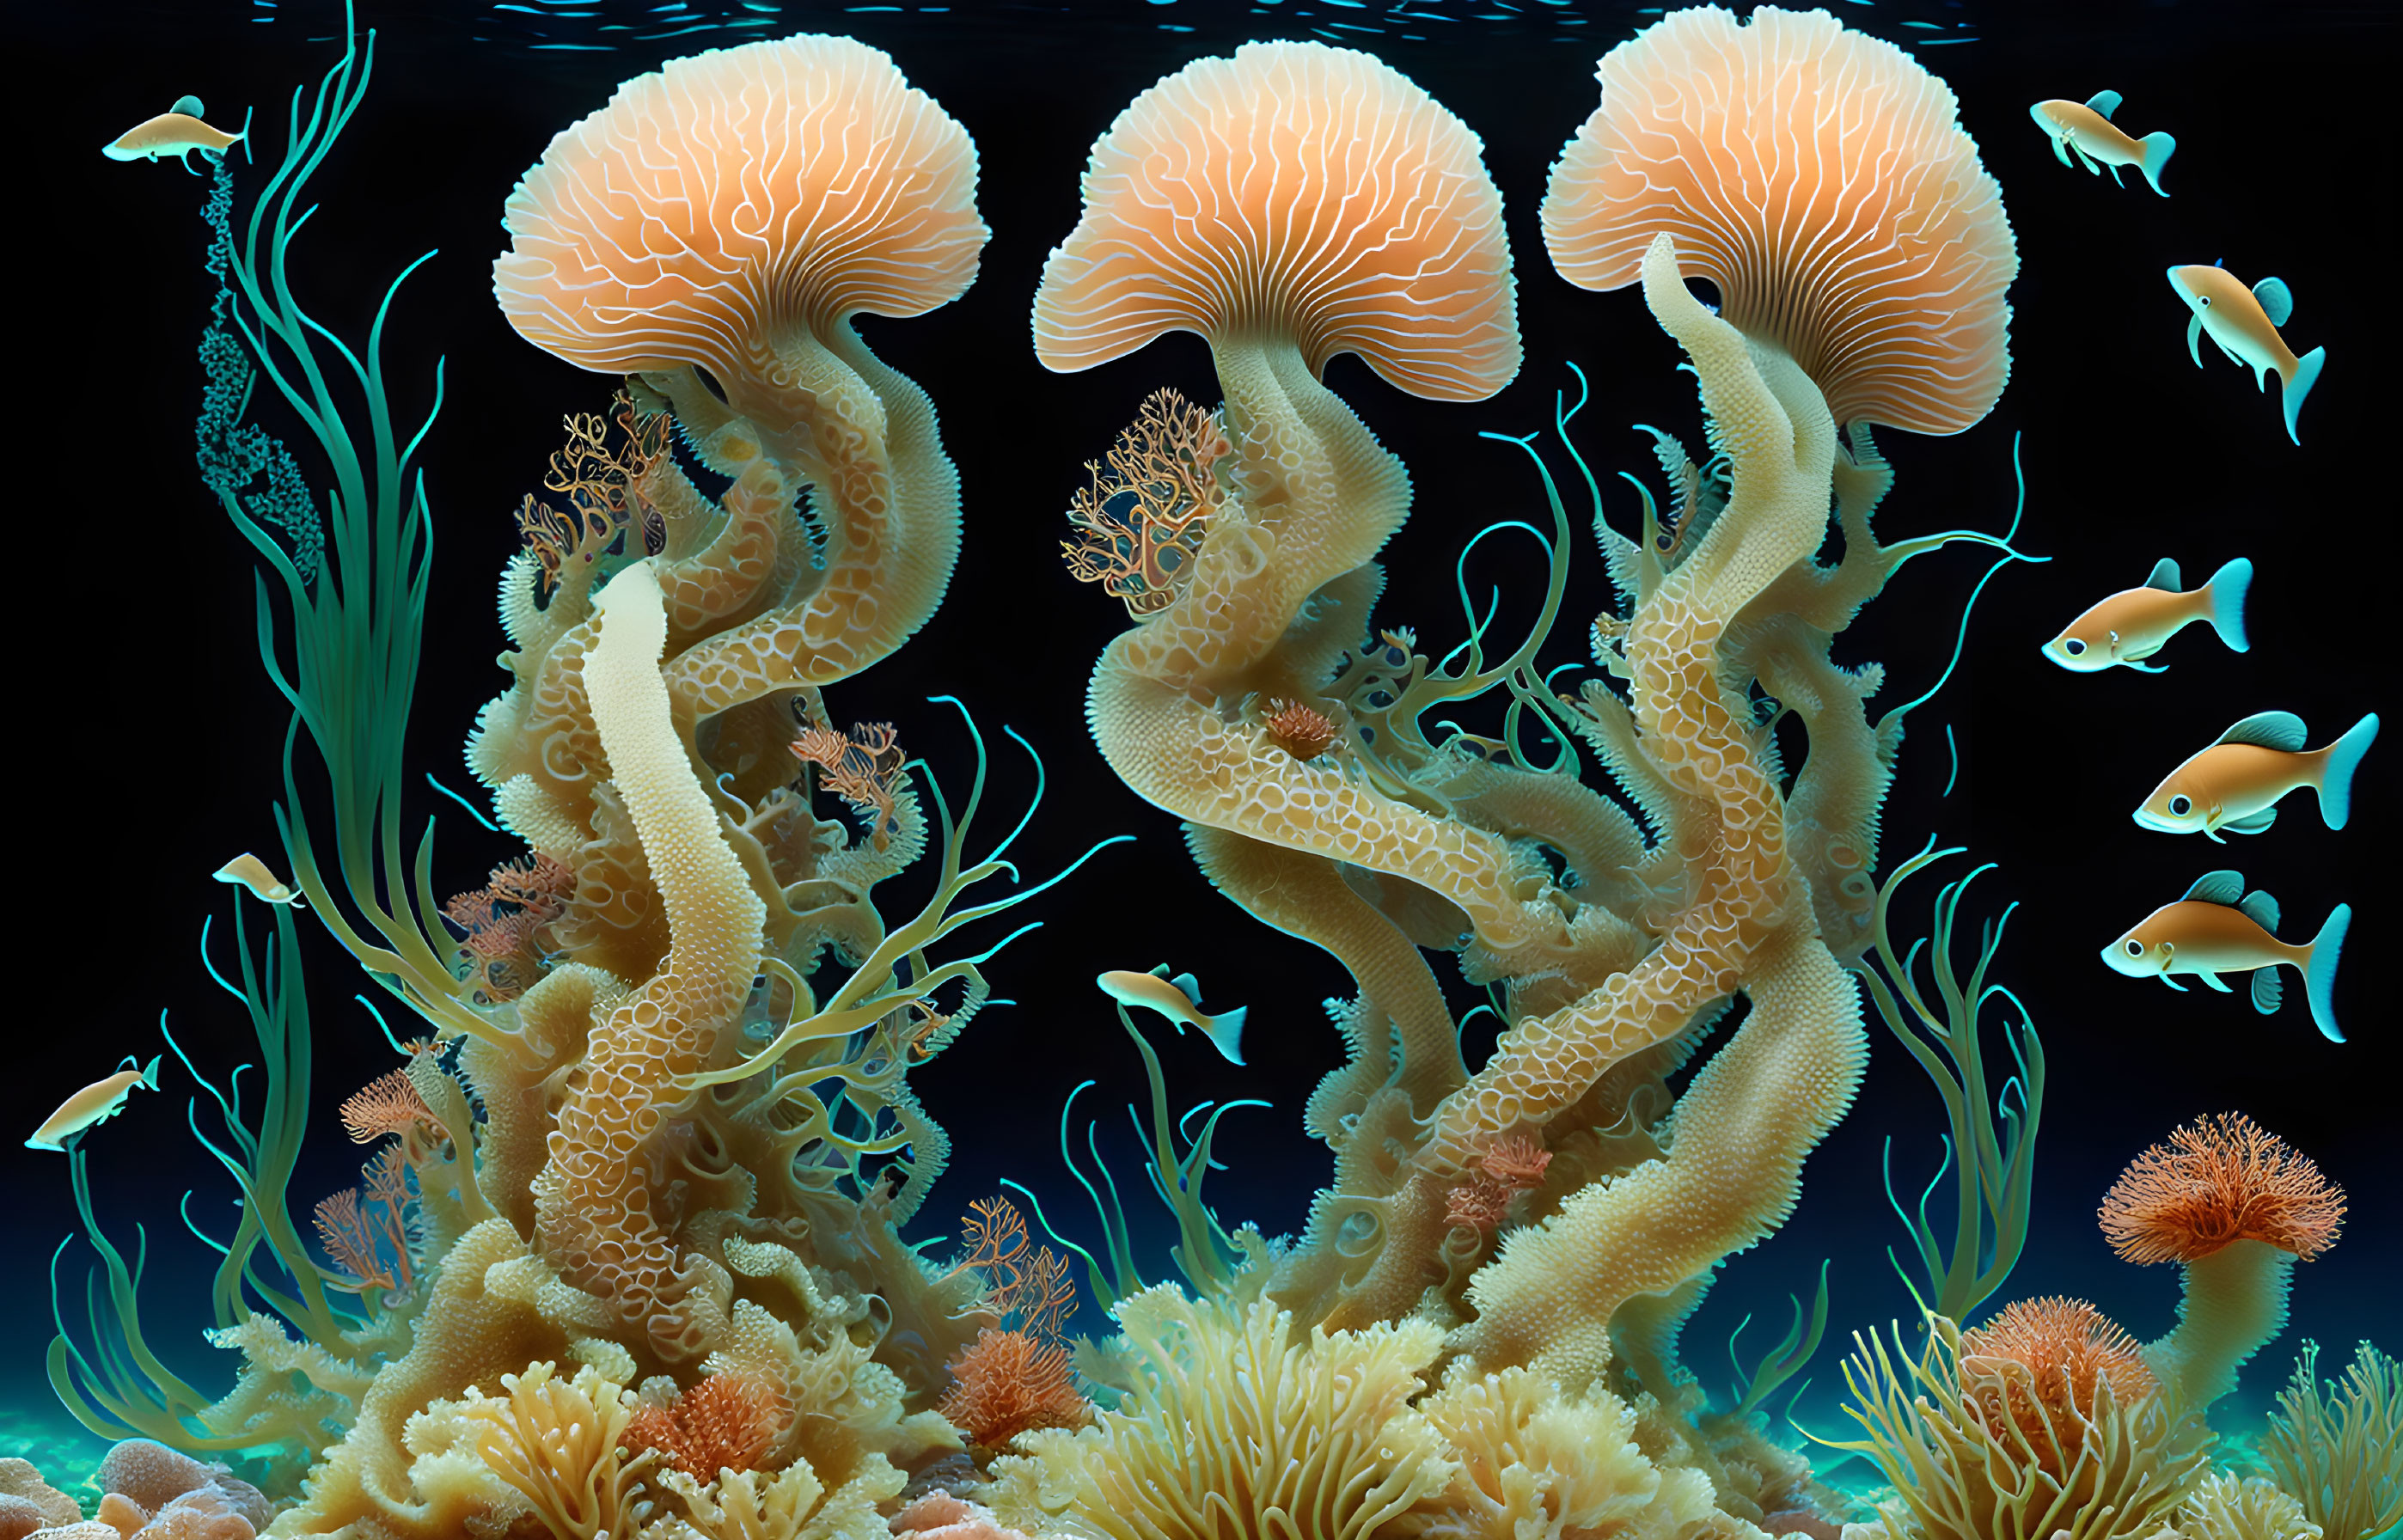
(729, 215)
(1817, 177)
(2234, 1205)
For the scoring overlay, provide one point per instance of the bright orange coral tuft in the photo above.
(2219, 1180)
(2037, 1364)
(1517, 1160)
(728, 1421)
(1299, 730)
(389, 1103)
(1009, 1383)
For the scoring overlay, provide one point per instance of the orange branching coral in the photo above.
(863, 767)
(596, 478)
(1298, 730)
(1009, 1383)
(504, 920)
(1517, 1161)
(2220, 1180)
(1515, 1164)
(371, 1230)
(2036, 1367)
(387, 1104)
(728, 1421)
(1140, 525)
(1025, 1281)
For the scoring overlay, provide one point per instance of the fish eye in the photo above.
(2074, 647)
(2135, 948)
(2180, 806)
(2204, 299)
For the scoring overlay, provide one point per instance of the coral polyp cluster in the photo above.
(625, 1257)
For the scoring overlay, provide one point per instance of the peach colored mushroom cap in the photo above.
(735, 194)
(1818, 178)
(1295, 190)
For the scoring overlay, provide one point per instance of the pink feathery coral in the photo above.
(1819, 179)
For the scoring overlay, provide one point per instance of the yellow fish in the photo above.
(2244, 323)
(2133, 624)
(1180, 1001)
(94, 1105)
(2235, 784)
(2212, 931)
(2086, 127)
(177, 131)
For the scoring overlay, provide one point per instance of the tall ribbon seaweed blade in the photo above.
(1538, 1205)
(659, 1132)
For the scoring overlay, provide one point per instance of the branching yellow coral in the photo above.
(555, 1442)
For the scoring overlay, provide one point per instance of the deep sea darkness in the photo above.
(144, 738)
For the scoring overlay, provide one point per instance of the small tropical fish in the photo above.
(2244, 323)
(2086, 127)
(94, 1105)
(264, 885)
(2212, 931)
(177, 131)
(2133, 624)
(2234, 784)
(1180, 1000)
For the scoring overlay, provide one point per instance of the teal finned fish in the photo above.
(177, 131)
(2085, 130)
(2233, 786)
(2213, 930)
(2135, 623)
(2244, 323)
(1179, 999)
(93, 1105)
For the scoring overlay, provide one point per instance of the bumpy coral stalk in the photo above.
(595, 1201)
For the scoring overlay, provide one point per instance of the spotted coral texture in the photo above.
(21, 1480)
(1298, 189)
(2219, 1180)
(1818, 178)
(1237, 1425)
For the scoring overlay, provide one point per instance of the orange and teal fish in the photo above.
(92, 1107)
(2244, 323)
(2133, 624)
(2086, 128)
(2234, 785)
(177, 131)
(2212, 931)
(1180, 1001)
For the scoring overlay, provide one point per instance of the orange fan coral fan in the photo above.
(1140, 525)
(1025, 1281)
(728, 1421)
(1298, 730)
(2220, 1180)
(2036, 1367)
(504, 918)
(1009, 1383)
(389, 1103)
(364, 1226)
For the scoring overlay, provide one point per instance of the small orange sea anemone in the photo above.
(2037, 1364)
(2217, 1181)
(728, 1421)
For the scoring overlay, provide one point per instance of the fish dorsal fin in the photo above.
(2165, 576)
(2215, 887)
(2105, 104)
(2277, 300)
(1189, 987)
(2269, 730)
(190, 106)
(2261, 910)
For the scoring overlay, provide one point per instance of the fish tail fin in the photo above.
(2229, 586)
(2336, 776)
(2319, 971)
(150, 1071)
(2291, 391)
(1226, 1032)
(2158, 149)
